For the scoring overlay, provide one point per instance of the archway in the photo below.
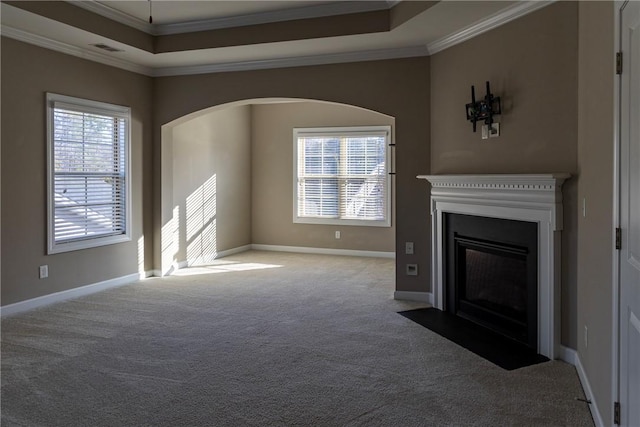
(226, 181)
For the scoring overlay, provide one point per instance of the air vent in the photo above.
(107, 47)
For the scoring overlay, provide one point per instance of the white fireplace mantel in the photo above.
(534, 198)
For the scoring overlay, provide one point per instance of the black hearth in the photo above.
(491, 274)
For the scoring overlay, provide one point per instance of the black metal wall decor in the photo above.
(483, 109)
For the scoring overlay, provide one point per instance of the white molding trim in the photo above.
(509, 14)
(38, 302)
(323, 251)
(57, 46)
(209, 259)
(145, 274)
(306, 12)
(414, 296)
(518, 10)
(567, 354)
(299, 61)
(532, 198)
(586, 386)
(617, 199)
(114, 14)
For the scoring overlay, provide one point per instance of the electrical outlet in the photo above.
(494, 132)
(408, 248)
(485, 131)
(44, 271)
(337, 234)
(412, 269)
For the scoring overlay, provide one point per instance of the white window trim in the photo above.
(85, 105)
(343, 130)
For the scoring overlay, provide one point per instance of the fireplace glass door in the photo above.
(492, 274)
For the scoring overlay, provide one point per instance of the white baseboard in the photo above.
(593, 407)
(211, 258)
(568, 355)
(414, 296)
(323, 251)
(145, 274)
(273, 248)
(233, 251)
(30, 304)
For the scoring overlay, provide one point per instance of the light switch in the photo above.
(408, 248)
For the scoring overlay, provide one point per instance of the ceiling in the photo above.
(214, 36)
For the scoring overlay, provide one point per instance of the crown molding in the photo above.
(114, 14)
(371, 55)
(518, 10)
(317, 11)
(307, 12)
(301, 61)
(83, 53)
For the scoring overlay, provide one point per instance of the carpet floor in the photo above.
(263, 339)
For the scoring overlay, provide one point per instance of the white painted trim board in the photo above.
(514, 12)
(323, 251)
(30, 304)
(586, 386)
(414, 296)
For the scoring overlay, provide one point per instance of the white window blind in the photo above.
(342, 176)
(88, 173)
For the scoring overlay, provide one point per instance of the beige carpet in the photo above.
(263, 339)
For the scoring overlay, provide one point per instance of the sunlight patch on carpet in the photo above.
(223, 267)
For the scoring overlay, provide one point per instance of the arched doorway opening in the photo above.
(227, 182)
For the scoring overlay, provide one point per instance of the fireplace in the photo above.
(491, 274)
(534, 199)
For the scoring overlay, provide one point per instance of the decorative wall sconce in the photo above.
(483, 109)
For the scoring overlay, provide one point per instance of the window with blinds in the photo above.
(88, 149)
(342, 176)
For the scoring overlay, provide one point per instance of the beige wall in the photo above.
(397, 88)
(595, 162)
(212, 183)
(272, 179)
(531, 64)
(29, 72)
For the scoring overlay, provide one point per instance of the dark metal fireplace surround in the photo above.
(491, 274)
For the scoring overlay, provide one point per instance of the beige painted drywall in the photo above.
(28, 72)
(397, 88)
(273, 171)
(211, 183)
(532, 65)
(595, 230)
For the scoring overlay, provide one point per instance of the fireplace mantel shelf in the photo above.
(534, 198)
(536, 192)
(519, 181)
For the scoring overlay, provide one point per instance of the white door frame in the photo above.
(615, 337)
(617, 200)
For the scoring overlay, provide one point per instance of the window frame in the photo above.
(95, 107)
(345, 131)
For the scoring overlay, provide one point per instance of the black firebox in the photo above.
(491, 273)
